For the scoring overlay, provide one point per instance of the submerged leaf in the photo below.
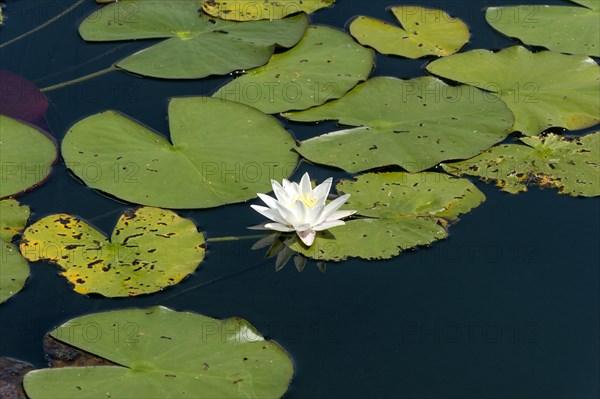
(252, 10)
(574, 30)
(26, 156)
(14, 269)
(411, 123)
(400, 210)
(543, 90)
(323, 66)
(196, 45)
(570, 165)
(424, 32)
(160, 354)
(150, 249)
(222, 153)
(21, 99)
(11, 376)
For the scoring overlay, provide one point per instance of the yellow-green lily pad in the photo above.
(14, 269)
(252, 10)
(571, 165)
(149, 249)
(424, 32)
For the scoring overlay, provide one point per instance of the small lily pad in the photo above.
(14, 269)
(149, 249)
(196, 45)
(571, 165)
(323, 66)
(252, 10)
(27, 155)
(163, 354)
(543, 90)
(399, 211)
(221, 153)
(424, 32)
(573, 30)
(411, 123)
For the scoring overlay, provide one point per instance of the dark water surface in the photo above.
(506, 307)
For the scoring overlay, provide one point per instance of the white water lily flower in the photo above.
(302, 209)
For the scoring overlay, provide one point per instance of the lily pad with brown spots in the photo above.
(14, 269)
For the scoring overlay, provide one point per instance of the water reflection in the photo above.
(279, 248)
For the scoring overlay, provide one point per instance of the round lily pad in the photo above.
(323, 66)
(397, 211)
(221, 153)
(572, 165)
(543, 90)
(149, 249)
(411, 123)
(424, 31)
(14, 269)
(27, 155)
(162, 354)
(251, 10)
(196, 45)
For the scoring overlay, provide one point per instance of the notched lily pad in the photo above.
(543, 90)
(26, 156)
(14, 269)
(571, 165)
(252, 10)
(323, 66)
(424, 32)
(196, 45)
(411, 123)
(221, 153)
(160, 354)
(149, 249)
(399, 211)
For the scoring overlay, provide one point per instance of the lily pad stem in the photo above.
(224, 239)
(80, 79)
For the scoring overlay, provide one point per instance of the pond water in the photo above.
(507, 307)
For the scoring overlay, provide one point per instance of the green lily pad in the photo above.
(573, 30)
(196, 46)
(572, 165)
(165, 354)
(543, 90)
(401, 211)
(222, 152)
(252, 10)
(27, 156)
(424, 32)
(149, 249)
(323, 66)
(411, 123)
(14, 269)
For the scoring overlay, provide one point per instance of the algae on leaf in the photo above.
(149, 249)
(14, 269)
(399, 211)
(413, 123)
(252, 10)
(196, 45)
(571, 165)
(323, 66)
(424, 32)
(543, 90)
(163, 354)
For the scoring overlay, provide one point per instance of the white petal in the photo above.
(270, 201)
(258, 227)
(307, 236)
(333, 206)
(328, 225)
(305, 186)
(279, 227)
(322, 190)
(280, 192)
(287, 214)
(340, 215)
(269, 213)
(301, 212)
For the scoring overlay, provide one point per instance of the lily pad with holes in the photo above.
(573, 30)
(424, 32)
(149, 249)
(543, 90)
(162, 354)
(397, 211)
(196, 45)
(26, 156)
(252, 10)
(323, 66)
(14, 269)
(221, 153)
(411, 123)
(571, 165)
